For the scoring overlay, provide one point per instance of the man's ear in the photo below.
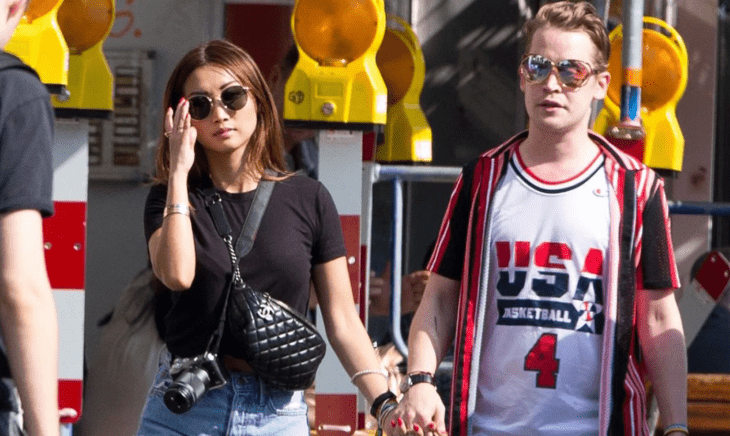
(17, 7)
(602, 79)
(274, 75)
(522, 82)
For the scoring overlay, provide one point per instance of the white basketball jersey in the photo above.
(541, 356)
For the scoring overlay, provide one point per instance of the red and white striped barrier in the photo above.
(64, 237)
(340, 170)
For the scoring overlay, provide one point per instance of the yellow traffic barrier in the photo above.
(85, 25)
(665, 72)
(39, 42)
(336, 82)
(407, 133)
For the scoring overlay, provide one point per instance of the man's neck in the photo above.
(556, 157)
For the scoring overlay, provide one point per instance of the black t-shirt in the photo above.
(26, 136)
(299, 229)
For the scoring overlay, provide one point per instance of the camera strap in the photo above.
(244, 243)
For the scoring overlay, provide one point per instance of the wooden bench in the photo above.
(708, 405)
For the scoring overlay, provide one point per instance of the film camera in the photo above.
(192, 378)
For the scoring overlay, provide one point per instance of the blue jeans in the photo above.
(11, 416)
(244, 406)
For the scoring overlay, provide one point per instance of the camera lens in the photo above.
(186, 390)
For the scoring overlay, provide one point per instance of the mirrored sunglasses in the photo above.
(570, 72)
(233, 98)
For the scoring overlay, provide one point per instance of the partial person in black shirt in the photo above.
(222, 131)
(27, 310)
(302, 150)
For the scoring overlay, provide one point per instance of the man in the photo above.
(555, 263)
(27, 311)
(302, 150)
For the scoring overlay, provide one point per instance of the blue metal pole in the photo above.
(698, 208)
(631, 61)
(395, 277)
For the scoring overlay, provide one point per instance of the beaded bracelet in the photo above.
(382, 372)
(681, 428)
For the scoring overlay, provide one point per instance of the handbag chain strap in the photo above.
(243, 244)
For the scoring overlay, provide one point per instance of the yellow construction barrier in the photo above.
(336, 83)
(39, 42)
(664, 75)
(85, 25)
(408, 135)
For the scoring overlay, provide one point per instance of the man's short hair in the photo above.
(289, 61)
(571, 16)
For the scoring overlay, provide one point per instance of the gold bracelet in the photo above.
(681, 428)
(180, 208)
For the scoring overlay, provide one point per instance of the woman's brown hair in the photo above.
(571, 15)
(264, 150)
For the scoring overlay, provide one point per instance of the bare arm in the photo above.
(171, 247)
(431, 334)
(28, 319)
(432, 329)
(662, 342)
(344, 329)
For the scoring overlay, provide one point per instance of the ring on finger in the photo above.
(167, 134)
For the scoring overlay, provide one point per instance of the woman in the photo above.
(226, 140)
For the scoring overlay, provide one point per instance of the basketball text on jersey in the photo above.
(584, 312)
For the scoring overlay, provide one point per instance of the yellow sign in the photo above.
(85, 25)
(336, 82)
(39, 42)
(400, 60)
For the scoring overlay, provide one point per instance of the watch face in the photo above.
(412, 379)
(405, 384)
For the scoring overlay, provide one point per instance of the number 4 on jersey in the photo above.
(541, 358)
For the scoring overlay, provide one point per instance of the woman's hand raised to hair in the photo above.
(181, 135)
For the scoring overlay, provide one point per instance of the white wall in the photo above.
(697, 24)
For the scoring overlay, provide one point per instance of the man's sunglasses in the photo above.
(570, 72)
(233, 98)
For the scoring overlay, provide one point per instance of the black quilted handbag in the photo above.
(280, 345)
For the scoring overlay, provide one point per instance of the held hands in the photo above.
(420, 413)
(182, 135)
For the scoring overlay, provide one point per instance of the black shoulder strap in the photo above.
(8, 60)
(243, 244)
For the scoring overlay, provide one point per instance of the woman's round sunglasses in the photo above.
(233, 98)
(570, 72)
